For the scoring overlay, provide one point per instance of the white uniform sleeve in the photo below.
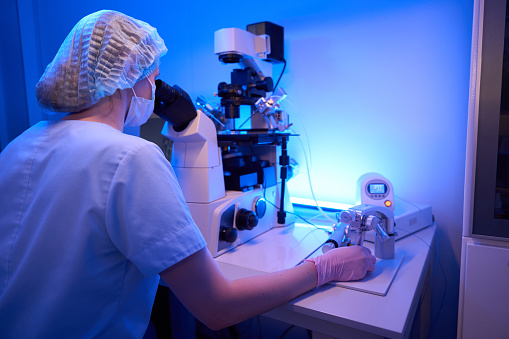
(146, 215)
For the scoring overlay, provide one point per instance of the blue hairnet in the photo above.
(105, 51)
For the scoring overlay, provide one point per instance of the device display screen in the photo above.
(377, 188)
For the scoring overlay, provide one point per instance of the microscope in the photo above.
(233, 179)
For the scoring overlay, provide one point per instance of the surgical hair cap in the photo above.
(105, 51)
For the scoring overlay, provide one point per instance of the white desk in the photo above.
(331, 311)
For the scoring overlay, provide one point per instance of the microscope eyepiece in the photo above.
(173, 105)
(165, 92)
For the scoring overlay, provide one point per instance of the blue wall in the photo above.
(13, 106)
(372, 86)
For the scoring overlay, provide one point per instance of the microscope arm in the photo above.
(196, 159)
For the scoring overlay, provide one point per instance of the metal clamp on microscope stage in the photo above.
(233, 179)
(363, 218)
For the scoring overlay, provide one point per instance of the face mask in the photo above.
(140, 109)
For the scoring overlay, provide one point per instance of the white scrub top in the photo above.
(88, 218)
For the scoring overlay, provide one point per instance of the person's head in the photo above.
(105, 51)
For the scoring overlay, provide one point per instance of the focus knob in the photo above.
(260, 207)
(228, 234)
(246, 220)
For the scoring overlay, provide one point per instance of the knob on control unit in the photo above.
(228, 234)
(260, 207)
(245, 219)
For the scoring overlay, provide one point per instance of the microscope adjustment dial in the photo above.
(260, 207)
(246, 219)
(228, 234)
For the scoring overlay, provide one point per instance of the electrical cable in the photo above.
(275, 87)
(436, 264)
(259, 321)
(308, 170)
(297, 215)
(277, 83)
(308, 166)
(249, 118)
(325, 229)
(276, 207)
(432, 328)
(286, 331)
(425, 289)
(434, 253)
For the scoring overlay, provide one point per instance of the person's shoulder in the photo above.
(136, 146)
(27, 137)
(39, 128)
(105, 139)
(102, 133)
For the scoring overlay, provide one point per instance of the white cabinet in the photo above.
(484, 290)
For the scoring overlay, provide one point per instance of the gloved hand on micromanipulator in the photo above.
(343, 264)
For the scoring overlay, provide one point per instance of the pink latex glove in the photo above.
(343, 264)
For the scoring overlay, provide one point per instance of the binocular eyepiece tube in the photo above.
(174, 105)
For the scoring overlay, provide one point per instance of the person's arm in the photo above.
(219, 302)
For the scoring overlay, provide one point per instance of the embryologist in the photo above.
(92, 218)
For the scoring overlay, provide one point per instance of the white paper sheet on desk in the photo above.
(380, 280)
(277, 249)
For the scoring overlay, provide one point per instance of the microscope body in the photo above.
(233, 180)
